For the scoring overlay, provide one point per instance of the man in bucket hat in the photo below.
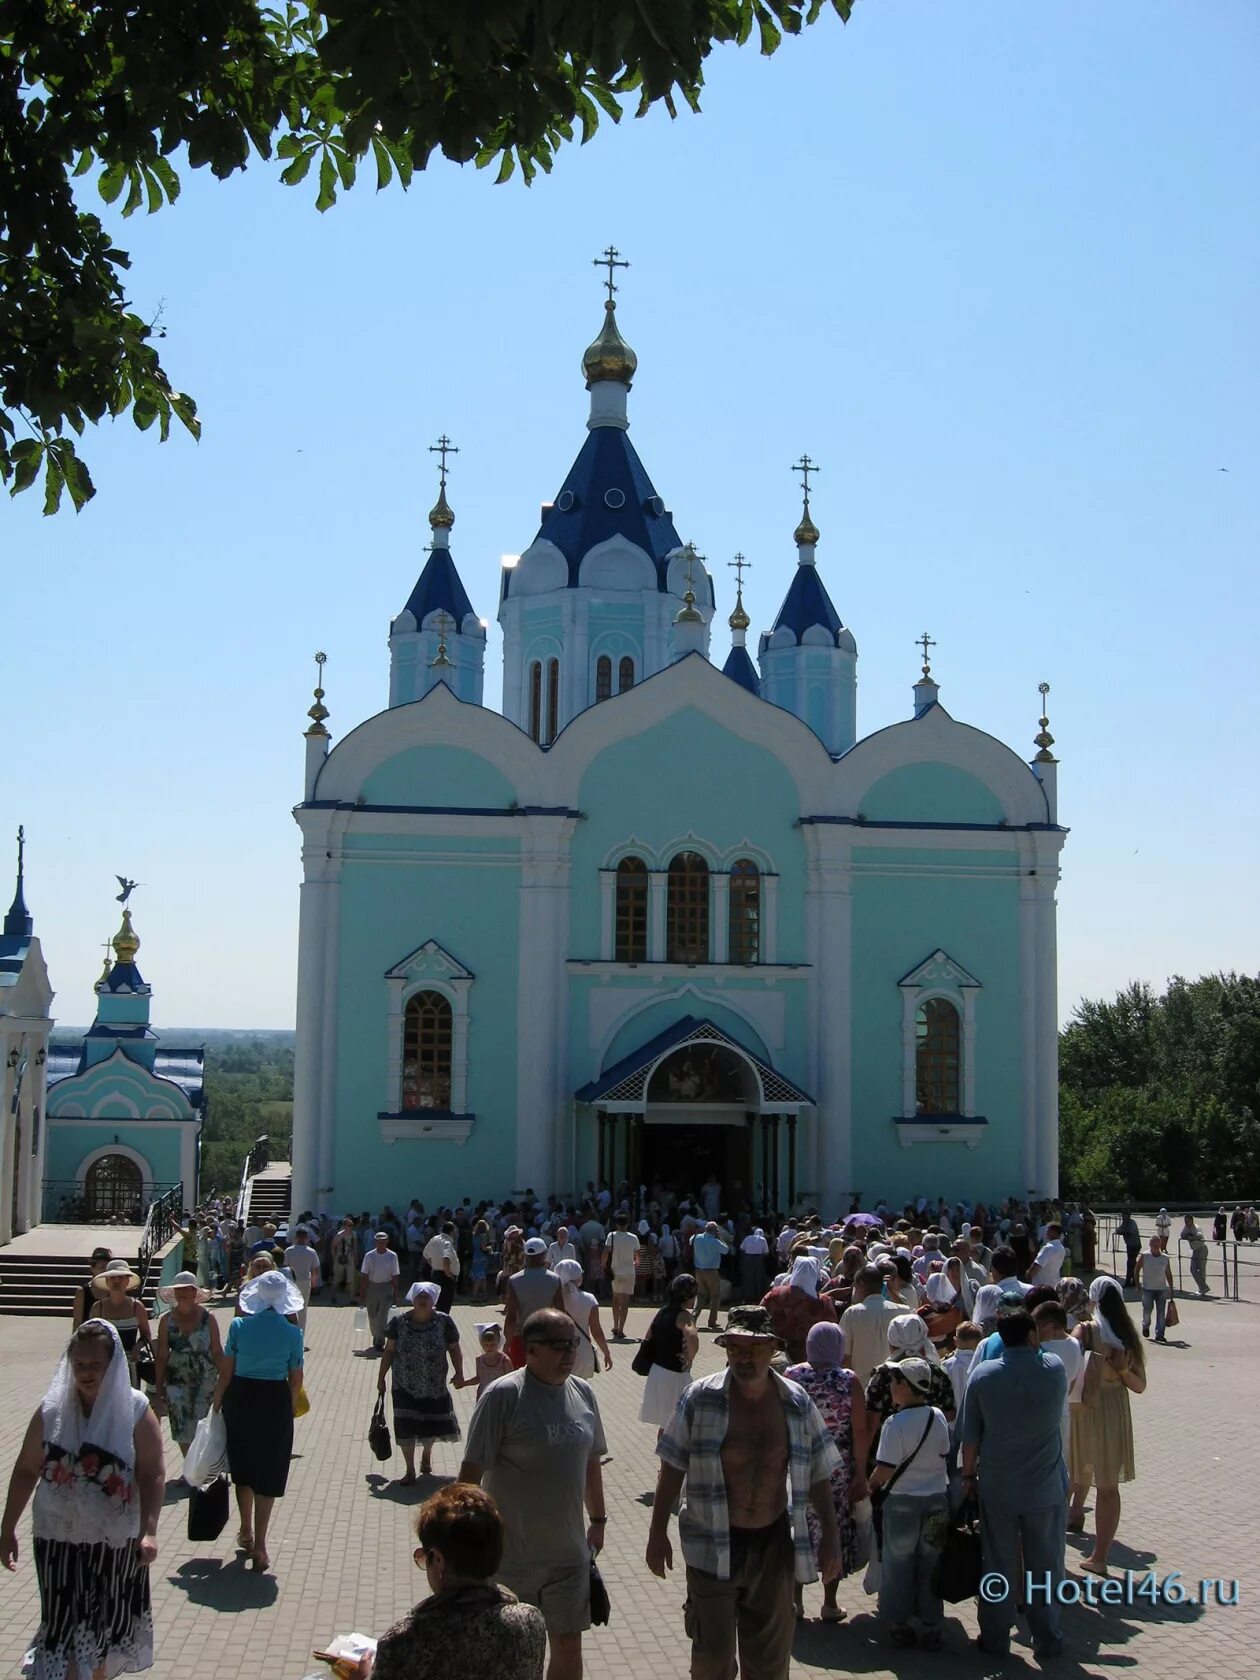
(748, 1451)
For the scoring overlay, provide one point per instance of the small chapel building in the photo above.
(663, 918)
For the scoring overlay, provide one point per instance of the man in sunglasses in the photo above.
(536, 1440)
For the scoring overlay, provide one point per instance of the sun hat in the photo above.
(270, 1292)
(535, 1245)
(116, 1268)
(182, 1280)
(748, 1321)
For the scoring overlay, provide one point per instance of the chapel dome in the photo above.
(609, 357)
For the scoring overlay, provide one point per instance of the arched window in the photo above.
(114, 1189)
(632, 911)
(625, 675)
(426, 1064)
(744, 944)
(687, 910)
(553, 701)
(535, 701)
(936, 1057)
(603, 677)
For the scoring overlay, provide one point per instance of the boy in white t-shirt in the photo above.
(913, 1446)
(1046, 1268)
(1052, 1335)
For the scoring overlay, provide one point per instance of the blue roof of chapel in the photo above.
(439, 589)
(740, 668)
(607, 462)
(806, 605)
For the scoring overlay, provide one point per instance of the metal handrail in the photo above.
(162, 1222)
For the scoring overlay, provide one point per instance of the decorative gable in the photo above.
(938, 970)
(429, 962)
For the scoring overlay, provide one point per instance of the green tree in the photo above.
(121, 88)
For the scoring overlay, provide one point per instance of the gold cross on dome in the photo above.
(925, 642)
(805, 466)
(610, 260)
(740, 566)
(443, 447)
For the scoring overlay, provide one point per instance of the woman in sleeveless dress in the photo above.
(188, 1357)
(117, 1301)
(1100, 1448)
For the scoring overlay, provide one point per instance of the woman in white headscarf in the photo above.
(92, 1457)
(941, 1311)
(907, 1339)
(1100, 1446)
(583, 1309)
(795, 1307)
(417, 1345)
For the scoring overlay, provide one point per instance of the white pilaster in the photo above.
(326, 1180)
(1047, 1180)
(542, 1100)
(909, 1068)
(658, 888)
(9, 1041)
(829, 935)
(607, 914)
(769, 918)
(720, 916)
(1028, 1046)
(315, 901)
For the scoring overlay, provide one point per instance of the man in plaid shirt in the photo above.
(752, 1452)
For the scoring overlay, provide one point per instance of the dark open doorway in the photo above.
(681, 1157)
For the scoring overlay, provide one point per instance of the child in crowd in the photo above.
(910, 1461)
(967, 1338)
(1051, 1320)
(492, 1361)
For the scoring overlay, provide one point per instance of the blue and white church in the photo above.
(661, 916)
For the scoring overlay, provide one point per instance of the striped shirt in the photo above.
(693, 1443)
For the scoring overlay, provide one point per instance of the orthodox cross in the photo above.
(740, 566)
(692, 557)
(108, 947)
(805, 466)
(21, 845)
(440, 658)
(443, 447)
(925, 642)
(610, 260)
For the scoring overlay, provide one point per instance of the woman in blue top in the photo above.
(258, 1385)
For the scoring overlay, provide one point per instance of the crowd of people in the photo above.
(886, 1374)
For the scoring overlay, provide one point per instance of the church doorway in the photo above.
(680, 1156)
(113, 1190)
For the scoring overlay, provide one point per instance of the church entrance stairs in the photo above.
(269, 1195)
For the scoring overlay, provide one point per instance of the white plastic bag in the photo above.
(207, 1457)
(864, 1545)
(360, 1321)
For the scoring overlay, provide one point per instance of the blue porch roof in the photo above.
(628, 1077)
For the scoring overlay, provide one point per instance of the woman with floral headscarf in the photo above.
(838, 1395)
(795, 1307)
(92, 1456)
(417, 1344)
(1100, 1450)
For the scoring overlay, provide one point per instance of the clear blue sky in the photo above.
(993, 265)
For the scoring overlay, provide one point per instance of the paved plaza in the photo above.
(341, 1542)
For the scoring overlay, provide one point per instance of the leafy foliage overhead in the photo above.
(115, 91)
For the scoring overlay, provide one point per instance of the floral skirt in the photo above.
(96, 1611)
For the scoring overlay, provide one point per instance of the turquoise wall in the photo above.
(931, 793)
(437, 776)
(897, 922)
(69, 1143)
(387, 911)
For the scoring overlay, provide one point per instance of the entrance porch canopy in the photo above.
(623, 1088)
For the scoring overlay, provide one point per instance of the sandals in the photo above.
(833, 1613)
(244, 1541)
(260, 1561)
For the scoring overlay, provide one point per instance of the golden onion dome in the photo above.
(739, 619)
(126, 941)
(806, 533)
(610, 357)
(441, 518)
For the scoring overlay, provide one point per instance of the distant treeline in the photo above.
(1159, 1096)
(249, 1089)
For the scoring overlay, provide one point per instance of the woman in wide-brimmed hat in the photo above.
(259, 1381)
(116, 1289)
(188, 1356)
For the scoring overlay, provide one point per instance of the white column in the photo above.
(658, 888)
(1028, 1018)
(720, 916)
(542, 1099)
(607, 914)
(770, 918)
(969, 1051)
(188, 1162)
(829, 923)
(8, 1041)
(315, 900)
(909, 1059)
(1047, 1180)
(326, 1179)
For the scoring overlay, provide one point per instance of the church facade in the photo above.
(662, 917)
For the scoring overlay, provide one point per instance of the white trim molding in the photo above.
(939, 976)
(419, 1128)
(429, 968)
(968, 1132)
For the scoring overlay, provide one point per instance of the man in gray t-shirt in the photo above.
(536, 1438)
(528, 1291)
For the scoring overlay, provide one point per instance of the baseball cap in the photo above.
(535, 1245)
(915, 1373)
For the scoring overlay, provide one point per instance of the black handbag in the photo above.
(958, 1569)
(642, 1362)
(208, 1510)
(378, 1432)
(146, 1365)
(601, 1606)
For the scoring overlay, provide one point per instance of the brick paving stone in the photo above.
(341, 1543)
